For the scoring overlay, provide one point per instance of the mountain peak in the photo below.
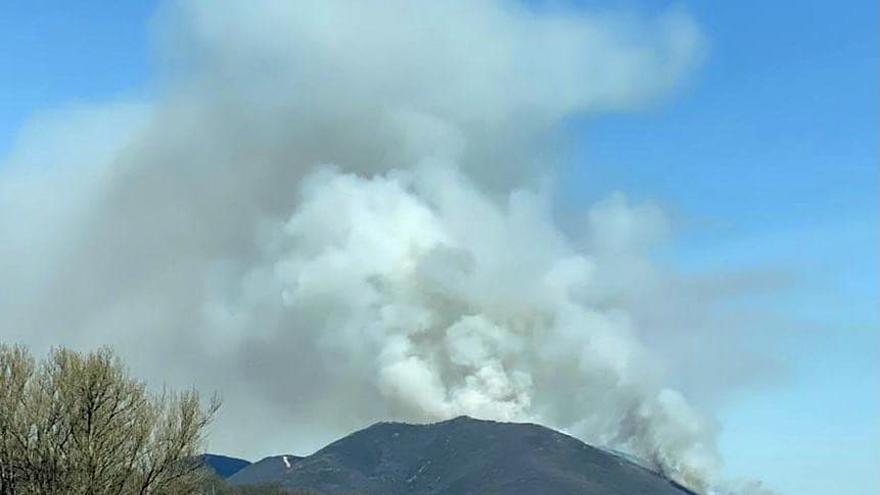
(460, 456)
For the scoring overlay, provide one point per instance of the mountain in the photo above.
(463, 456)
(224, 466)
(266, 471)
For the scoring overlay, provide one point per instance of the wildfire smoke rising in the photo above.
(335, 213)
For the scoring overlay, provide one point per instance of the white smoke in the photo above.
(446, 302)
(336, 213)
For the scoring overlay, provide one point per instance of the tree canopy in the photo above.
(80, 424)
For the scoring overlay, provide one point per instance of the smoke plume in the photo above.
(341, 212)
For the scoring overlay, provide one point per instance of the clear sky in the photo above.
(768, 157)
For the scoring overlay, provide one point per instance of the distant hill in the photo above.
(224, 466)
(463, 456)
(266, 471)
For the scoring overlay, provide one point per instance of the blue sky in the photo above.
(767, 157)
(770, 157)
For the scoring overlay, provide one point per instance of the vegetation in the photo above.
(214, 485)
(79, 424)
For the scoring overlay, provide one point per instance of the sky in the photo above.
(771, 156)
(767, 157)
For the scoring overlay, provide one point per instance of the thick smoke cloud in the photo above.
(336, 213)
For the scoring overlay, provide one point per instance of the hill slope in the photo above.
(462, 456)
(224, 466)
(268, 470)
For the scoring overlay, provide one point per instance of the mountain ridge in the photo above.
(224, 466)
(460, 456)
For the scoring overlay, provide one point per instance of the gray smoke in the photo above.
(341, 212)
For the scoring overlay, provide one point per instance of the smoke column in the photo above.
(342, 212)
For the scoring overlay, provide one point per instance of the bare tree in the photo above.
(16, 373)
(79, 424)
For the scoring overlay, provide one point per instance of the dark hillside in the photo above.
(463, 456)
(224, 466)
